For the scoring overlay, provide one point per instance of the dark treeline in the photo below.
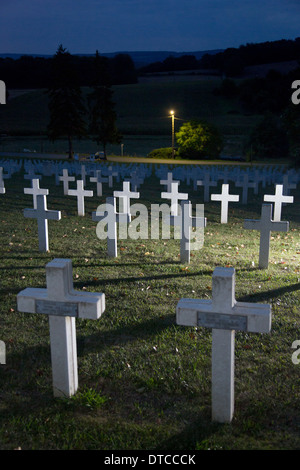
(36, 72)
(231, 61)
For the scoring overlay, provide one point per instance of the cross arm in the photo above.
(255, 318)
(89, 305)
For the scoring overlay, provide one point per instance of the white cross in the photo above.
(278, 200)
(109, 216)
(65, 178)
(80, 193)
(125, 197)
(175, 196)
(111, 174)
(168, 181)
(30, 175)
(83, 174)
(99, 180)
(245, 184)
(186, 221)
(224, 315)
(2, 187)
(42, 214)
(286, 185)
(206, 181)
(35, 190)
(135, 180)
(265, 225)
(63, 304)
(225, 198)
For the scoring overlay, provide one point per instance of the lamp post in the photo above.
(172, 116)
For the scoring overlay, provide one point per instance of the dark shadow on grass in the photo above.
(193, 435)
(103, 282)
(270, 294)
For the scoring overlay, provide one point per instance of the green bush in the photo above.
(161, 153)
(198, 139)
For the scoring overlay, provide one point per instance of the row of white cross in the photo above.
(265, 225)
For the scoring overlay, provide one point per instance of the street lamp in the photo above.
(172, 116)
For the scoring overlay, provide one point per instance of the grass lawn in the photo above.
(144, 382)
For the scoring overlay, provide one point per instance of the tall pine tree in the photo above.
(65, 101)
(102, 122)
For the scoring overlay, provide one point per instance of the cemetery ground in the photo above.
(144, 382)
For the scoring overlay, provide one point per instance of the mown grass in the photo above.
(144, 382)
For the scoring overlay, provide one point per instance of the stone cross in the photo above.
(168, 181)
(31, 174)
(111, 174)
(125, 197)
(135, 180)
(278, 200)
(186, 221)
(207, 182)
(224, 315)
(286, 185)
(80, 193)
(99, 180)
(42, 214)
(2, 187)
(63, 305)
(65, 178)
(225, 198)
(175, 196)
(245, 184)
(35, 190)
(265, 225)
(109, 217)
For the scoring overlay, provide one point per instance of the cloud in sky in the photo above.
(82, 26)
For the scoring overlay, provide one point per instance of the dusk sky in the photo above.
(83, 26)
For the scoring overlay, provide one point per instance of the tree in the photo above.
(269, 138)
(65, 101)
(102, 122)
(198, 139)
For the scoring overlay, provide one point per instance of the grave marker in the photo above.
(35, 190)
(80, 193)
(111, 174)
(42, 214)
(2, 187)
(245, 184)
(175, 196)
(278, 200)
(224, 315)
(63, 304)
(125, 197)
(225, 198)
(168, 181)
(65, 178)
(207, 182)
(109, 217)
(265, 225)
(99, 180)
(186, 222)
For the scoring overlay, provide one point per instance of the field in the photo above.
(144, 382)
(143, 118)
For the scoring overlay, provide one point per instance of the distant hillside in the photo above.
(140, 58)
